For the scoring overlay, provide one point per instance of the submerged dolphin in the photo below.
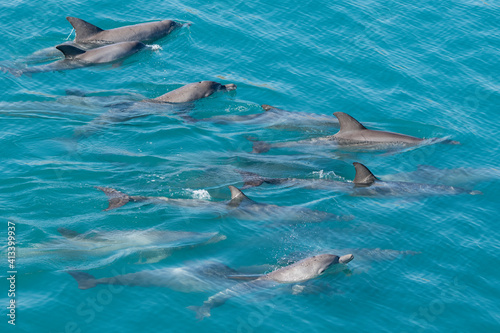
(174, 101)
(152, 245)
(87, 33)
(277, 118)
(78, 58)
(300, 271)
(148, 246)
(240, 206)
(364, 184)
(203, 276)
(351, 133)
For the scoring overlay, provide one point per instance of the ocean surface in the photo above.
(421, 263)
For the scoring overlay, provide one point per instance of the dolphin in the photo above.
(86, 33)
(301, 271)
(240, 206)
(78, 58)
(194, 277)
(274, 117)
(174, 101)
(149, 245)
(364, 184)
(352, 133)
(192, 92)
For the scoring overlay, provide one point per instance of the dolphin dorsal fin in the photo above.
(348, 123)
(236, 197)
(364, 177)
(83, 29)
(69, 51)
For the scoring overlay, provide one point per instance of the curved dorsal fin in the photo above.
(236, 197)
(83, 29)
(69, 51)
(363, 175)
(348, 123)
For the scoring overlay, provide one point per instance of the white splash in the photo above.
(200, 194)
(156, 47)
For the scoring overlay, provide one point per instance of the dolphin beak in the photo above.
(345, 259)
(230, 86)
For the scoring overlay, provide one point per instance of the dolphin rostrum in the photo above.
(364, 184)
(298, 272)
(75, 57)
(87, 33)
(351, 133)
(240, 206)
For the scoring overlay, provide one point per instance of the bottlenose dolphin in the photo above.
(146, 246)
(196, 277)
(78, 58)
(352, 133)
(87, 33)
(300, 271)
(174, 101)
(274, 117)
(240, 206)
(364, 184)
(152, 245)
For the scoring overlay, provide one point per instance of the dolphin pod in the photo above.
(363, 184)
(351, 133)
(92, 46)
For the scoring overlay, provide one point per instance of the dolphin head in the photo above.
(169, 25)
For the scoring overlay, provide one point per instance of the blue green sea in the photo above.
(421, 263)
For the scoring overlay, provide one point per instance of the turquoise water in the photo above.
(427, 69)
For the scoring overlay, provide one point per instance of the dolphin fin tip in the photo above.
(84, 280)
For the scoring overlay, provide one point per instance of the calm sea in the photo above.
(423, 68)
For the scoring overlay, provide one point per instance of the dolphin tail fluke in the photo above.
(85, 280)
(116, 198)
(201, 311)
(83, 29)
(251, 179)
(260, 147)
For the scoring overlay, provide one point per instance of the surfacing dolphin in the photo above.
(298, 272)
(352, 134)
(364, 184)
(175, 101)
(86, 33)
(78, 58)
(240, 206)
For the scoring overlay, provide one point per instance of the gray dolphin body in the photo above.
(192, 92)
(298, 272)
(87, 33)
(174, 101)
(203, 276)
(364, 184)
(78, 58)
(240, 206)
(97, 246)
(277, 118)
(352, 133)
